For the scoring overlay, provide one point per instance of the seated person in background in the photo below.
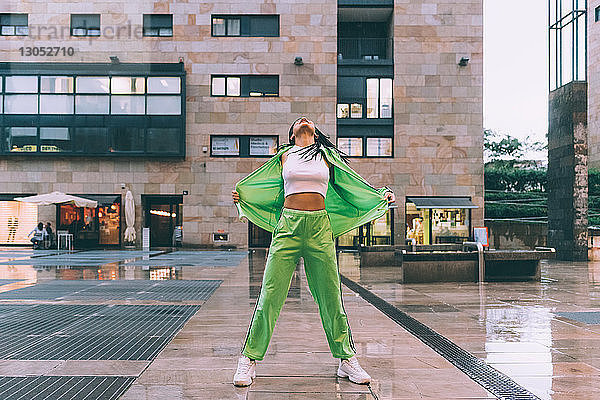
(50, 233)
(39, 234)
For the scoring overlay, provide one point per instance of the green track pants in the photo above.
(298, 234)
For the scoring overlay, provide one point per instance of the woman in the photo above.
(306, 195)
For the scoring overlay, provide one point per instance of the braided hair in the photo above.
(310, 152)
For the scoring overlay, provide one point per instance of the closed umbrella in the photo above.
(129, 217)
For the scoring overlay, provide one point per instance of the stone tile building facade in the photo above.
(435, 59)
(593, 72)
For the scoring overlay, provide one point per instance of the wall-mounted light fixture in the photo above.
(464, 61)
(298, 61)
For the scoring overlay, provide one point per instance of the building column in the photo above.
(568, 172)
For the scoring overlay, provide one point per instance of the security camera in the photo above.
(123, 186)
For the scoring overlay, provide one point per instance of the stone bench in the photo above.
(515, 265)
(450, 265)
(443, 266)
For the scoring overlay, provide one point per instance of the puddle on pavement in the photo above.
(23, 267)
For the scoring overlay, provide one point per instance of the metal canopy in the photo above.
(441, 202)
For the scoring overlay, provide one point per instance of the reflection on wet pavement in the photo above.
(515, 327)
(201, 360)
(25, 266)
(95, 317)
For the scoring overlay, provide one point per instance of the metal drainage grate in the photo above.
(587, 317)
(427, 308)
(491, 379)
(63, 387)
(90, 332)
(174, 290)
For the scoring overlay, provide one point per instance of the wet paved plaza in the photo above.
(169, 325)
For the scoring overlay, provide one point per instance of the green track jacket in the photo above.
(350, 200)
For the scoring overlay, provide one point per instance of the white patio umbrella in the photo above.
(129, 217)
(58, 198)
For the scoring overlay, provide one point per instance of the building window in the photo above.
(80, 113)
(360, 97)
(379, 147)
(243, 146)
(56, 104)
(376, 232)
(56, 84)
(127, 139)
(436, 220)
(18, 219)
(245, 85)
(92, 95)
(85, 24)
(597, 14)
(21, 139)
(352, 110)
(245, 25)
(375, 146)
(158, 24)
(91, 140)
(55, 139)
(224, 146)
(164, 84)
(21, 84)
(379, 98)
(226, 86)
(351, 146)
(20, 104)
(14, 24)
(163, 140)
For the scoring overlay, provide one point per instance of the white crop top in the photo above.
(301, 175)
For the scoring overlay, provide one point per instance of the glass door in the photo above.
(162, 214)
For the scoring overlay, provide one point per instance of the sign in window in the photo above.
(225, 146)
(379, 147)
(263, 146)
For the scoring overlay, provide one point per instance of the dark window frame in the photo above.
(8, 16)
(597, 14)
(73, 121)
(148, 23)
(363, 100)
(244, 146)
(246, 24)
(364, 145)
(90, 30)
(245, 85)
(225, 18)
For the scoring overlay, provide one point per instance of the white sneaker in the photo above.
(352, 370)
(246, 372)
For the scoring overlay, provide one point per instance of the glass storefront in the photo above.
(17, 219)
(377, 232)
(163, 213)
(438, 220)
(92, 227)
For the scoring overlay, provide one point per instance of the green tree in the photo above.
(498, 146)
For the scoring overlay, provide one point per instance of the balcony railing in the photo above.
(364, 49)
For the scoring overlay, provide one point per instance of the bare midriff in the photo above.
(305, 201)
